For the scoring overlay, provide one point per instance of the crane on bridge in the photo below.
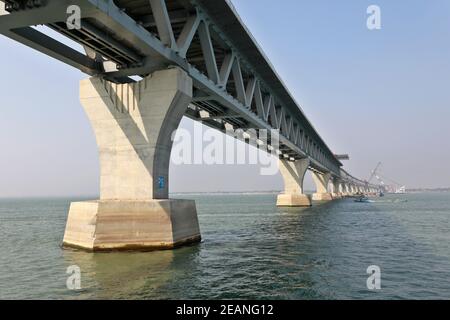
(374, 174)
(394, 186)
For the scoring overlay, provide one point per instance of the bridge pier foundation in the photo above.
(133, 125)
(321, 180)
(293, 173)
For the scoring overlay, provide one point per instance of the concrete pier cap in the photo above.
(133, 125)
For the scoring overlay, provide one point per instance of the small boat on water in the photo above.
(363, 200)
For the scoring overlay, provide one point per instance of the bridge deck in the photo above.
(234, 82)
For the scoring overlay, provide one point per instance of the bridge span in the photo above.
(150, 63)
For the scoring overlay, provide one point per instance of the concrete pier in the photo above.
(293, 173)
(133, 125)
(336, 194)
(321, 180)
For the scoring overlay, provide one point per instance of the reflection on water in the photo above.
(251, 249)
(117, 275)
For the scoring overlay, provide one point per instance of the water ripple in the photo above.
(251, 250)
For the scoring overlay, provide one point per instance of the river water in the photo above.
(250, 250)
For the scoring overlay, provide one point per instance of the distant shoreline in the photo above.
(415, 190)
(418, 190)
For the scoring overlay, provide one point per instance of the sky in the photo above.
(378, 95)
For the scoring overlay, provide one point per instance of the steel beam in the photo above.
(147, 53)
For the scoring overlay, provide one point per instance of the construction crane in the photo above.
(395, 187)
(374, 172)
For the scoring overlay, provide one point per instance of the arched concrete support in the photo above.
(345, 190)
(352, 189)
(321, 180)
(133, 125)
(293, 173)
(337, 193)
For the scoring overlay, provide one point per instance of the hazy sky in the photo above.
(378, 95)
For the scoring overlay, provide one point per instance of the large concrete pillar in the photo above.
(350, 189)
(321, 180)
(133, 125)
(344, 187)
(337, 194)
(293, 173)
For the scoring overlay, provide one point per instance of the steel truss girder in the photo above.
(268, 112)
(17, 27)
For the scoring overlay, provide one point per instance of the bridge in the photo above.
(150, 63)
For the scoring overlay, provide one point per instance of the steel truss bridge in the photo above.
(235, 85)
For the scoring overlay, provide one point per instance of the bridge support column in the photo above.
(321, 180)
(349, 190)
(133, 125)
(293, 173)
(337, 194)
(344, 189)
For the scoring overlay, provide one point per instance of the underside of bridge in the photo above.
(152, 62)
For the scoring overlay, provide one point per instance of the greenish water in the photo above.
(250, 250)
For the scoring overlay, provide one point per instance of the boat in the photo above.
(363, 200)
